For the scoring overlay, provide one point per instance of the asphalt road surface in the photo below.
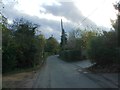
(59, 74)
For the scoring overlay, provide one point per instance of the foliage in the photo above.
(77, 43)
(70, 55)
(63, 38)
(102, 49)
(86, 36)
(24, 37)
(116, 23)
(52, 46)
(21, 47)
(78, 40)
(40, 45)
(8, 50)
(74, 42)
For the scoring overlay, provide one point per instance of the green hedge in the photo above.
(118, 56)
(70, 55)
(102, 49)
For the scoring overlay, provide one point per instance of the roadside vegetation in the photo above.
(22, 48)
(102, 47)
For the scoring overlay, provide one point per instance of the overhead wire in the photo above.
(93, 11)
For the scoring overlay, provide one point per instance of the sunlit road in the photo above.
(59, 74)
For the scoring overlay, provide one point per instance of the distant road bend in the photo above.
(59, 74)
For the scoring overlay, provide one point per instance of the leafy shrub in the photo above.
(21, 47)
(70, 55)
(102, 49)
(8, 50)
(52, 46)
(118, 56)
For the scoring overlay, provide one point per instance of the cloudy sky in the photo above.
(48, 13)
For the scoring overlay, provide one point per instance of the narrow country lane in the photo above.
(59, 74)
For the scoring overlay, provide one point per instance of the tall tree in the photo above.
(40, 45)
(52, 46)
(116, 25)
(24, 37)
(21, 46)
(8, 50)
(63, 37)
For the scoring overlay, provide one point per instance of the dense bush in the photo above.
(118, 56)
(103, 49)
(78, 40)
(51, 46)
(8, 50)
(70, 55)
(21, 48)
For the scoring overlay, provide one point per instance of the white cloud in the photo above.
(99, 11)
(49, 13)
(33, 7)
(46, 29)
